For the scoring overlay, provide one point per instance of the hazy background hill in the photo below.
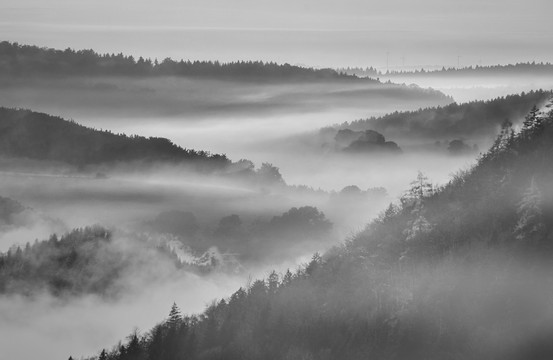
(479, 82)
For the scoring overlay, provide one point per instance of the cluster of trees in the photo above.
(416, 283)
(473, 119)
(368, 141)
(248, 241)
(27, 60)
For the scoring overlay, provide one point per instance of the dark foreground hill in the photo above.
(457, 272)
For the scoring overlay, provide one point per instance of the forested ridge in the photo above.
(29, 60)
(29, 134)
(442, 274)
(474, 119)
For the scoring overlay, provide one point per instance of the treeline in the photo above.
(34, 135)
(449, 272)
(527, 68)
(475, 119)
(27, 60)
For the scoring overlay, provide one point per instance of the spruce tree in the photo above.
(175, 316)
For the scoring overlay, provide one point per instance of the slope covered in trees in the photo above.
(475, 119)
(34, 135)
(27, 60)
(456, 272)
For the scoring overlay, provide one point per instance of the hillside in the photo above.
(456, 272)
(28, 60)
(475, 119)
(34, 135)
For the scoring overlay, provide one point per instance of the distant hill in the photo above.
(28, 60)
(521, 69)
(28, 134)
(477, 119)
(456, 272)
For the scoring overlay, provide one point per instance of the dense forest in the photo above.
(520, 69)
(451, 272)
(475, 119)
(28, 60)
(34, 135)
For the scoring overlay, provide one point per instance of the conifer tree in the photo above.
(103, 355)
(175, 316)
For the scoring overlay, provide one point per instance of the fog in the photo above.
(275, 122)
(58, 328)
(272, 123)
(471, 87)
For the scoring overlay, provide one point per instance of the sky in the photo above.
(321, 33)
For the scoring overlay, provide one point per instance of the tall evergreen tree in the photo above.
(175, 317)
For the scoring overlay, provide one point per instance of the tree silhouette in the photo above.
(175, 316)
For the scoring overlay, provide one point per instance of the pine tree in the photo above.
(273, 282)
(419, 190)
(175, 317)
(504, 139)
(287, 278)
(533, 123)
(391, 211)
(103, 355)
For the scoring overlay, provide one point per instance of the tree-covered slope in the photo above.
(456, 272)
(475, 119)
(34, 135)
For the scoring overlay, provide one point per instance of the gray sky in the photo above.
(311, 32)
